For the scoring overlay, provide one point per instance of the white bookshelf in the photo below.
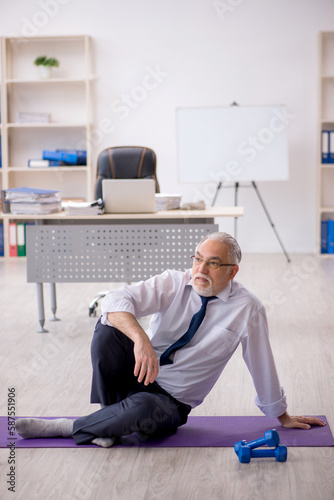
(66, 96)
(326, 121)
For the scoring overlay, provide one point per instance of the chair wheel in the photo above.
(95, 302)
(92, 310)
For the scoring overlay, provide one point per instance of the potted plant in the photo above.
(45, 65)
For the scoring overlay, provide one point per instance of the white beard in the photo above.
(203, 291)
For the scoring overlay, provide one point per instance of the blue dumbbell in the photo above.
(280, 453)
(270, 438)
(244, 454)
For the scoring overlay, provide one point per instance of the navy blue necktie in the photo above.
(195, 322)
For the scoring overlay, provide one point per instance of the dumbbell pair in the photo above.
(246, 451)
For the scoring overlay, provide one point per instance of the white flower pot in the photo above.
(45, 72)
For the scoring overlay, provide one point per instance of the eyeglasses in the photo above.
(212, 264)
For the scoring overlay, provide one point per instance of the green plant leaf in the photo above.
(45, 61)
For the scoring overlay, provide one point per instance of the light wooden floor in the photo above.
(51, 376)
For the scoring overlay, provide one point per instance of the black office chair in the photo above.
(123, 162)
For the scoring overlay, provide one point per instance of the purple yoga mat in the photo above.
(197, 432)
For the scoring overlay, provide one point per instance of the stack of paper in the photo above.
(22, 117)
(84, 208)
(24, 200)
(196, 205)
(167, 201)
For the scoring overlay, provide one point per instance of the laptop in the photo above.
(128, 196)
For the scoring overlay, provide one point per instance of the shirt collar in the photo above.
(226, 292)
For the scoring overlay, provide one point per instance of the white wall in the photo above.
(154, 56)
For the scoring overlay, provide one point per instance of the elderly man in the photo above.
(148, 382)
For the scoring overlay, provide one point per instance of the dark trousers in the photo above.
(131, 406)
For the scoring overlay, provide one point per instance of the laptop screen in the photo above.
(123, 196)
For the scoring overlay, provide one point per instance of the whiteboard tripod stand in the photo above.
(253, 185)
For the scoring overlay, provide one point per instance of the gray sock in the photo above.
(104, 441)
(40, 428)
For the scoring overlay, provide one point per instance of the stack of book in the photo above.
(167, 201)
(59, 158)
(25, 200)
(84, 208)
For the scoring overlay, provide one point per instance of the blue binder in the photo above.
(324, 239)
(2, 243)
(80, 154)
(68, 158)
(325, 146)
(330, 236)
(331, 146)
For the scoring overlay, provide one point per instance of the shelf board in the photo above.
(46, 125)
(327, 165)
(81, 168)
(49, 80)
(326, 209)
(55, 38)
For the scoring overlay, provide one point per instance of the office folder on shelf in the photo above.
(331, 146)
(12, 239)
(2, 241)
(81, 155)
(21, 239)
(330, 236)
(324, 240)
(44, 163)
(325, 146)
(67, 156)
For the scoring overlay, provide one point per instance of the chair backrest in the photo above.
(125, 162)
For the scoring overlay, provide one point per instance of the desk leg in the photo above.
(53, 300)
(40, 304)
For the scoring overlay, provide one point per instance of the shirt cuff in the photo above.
(273, 410)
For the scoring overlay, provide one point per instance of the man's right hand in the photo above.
(146, 361)
(147, 365)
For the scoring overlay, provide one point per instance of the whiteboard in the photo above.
(232, 144)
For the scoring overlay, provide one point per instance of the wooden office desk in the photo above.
(112, 247)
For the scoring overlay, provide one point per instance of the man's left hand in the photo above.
(299, 422)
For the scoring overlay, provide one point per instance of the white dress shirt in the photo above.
(235, 316)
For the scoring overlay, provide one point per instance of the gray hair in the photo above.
(234, 250)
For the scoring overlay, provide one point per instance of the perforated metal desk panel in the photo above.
(109, 252)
